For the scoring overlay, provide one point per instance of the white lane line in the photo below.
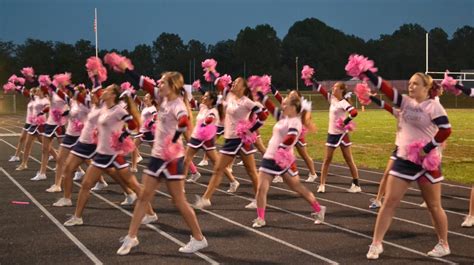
(161, 232)
(325, 223)
(74, 239)
(9, 134)
(283, 242)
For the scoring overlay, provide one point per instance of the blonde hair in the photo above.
(132, 108)
(176, 82)
(434, 89)
(295, 100)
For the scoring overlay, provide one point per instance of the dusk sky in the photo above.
(124, 24)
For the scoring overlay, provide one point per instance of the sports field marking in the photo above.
(164, 234)
(74, 239)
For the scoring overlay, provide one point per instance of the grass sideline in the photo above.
(374, 138)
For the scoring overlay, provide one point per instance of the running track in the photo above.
(34, 233)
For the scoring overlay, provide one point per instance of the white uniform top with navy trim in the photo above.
(111, 120)
(167, 123)
(29, 109)
(204, 112)
(57, 103)
(337, 110)
(415, 122)
(78, 112)
(90, 125)
(237, 109)
(147, 113)
(281, 129)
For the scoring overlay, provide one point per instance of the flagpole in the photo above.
(96, 39)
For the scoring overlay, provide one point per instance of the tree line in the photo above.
(258, 51)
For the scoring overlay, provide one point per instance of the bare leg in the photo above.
(21, 143)
(347, 154)
(72, 163)
(213, 156)
(45, 153)
(60, 162)
(135, 153)
(326, 163)
(188, 158)
(223, 161)
(383, 182)
(260, 146)
(432, 196)
(307, 159)
(249, 163)
(90, 178)
(264, 181)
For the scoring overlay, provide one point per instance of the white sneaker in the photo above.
(277, 179)
(311, 178)
(139, 159)
(54, 188)
(319, 216)
(194, 245)
(374, 251)
(50, 158)
(321, 189)
(439, 251)
(423, 205)
(73, 221)
(148, 219)
(194, 177)
(39, 177)
(127, 244)
(233, 186)
(21, 167)
(241, 163)
(201, 202)
(203, 163)
(78, 175)
(375, 204)
(133, 170)
(63, 202)
(14, 159)
(257, 223)
(129, 199)
(251, 205)
(354, 189)
(100, 186)
(469, 221)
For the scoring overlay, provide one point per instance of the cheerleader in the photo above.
(167, 160)
(423, 126)
(338, 132)
(36, 120)
(148, 114)
(279, 160)
(111, 147)
(54, 126)
(203, 136)
(301, 143)
(239, 107)
(452, 86)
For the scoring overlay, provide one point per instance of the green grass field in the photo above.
(373, 141)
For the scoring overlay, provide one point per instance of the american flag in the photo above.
(95, 24)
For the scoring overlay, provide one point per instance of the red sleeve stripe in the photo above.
(288, 140)
(182, 122)
(209, 119)
(278, 97)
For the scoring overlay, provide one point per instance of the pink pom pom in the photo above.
(208, 77)
(449, 84)
(429, 162)
(253, 81)
(94, 67)
(124, 147)
(8, 87)
(62, 79)
(16, 80)
(413, 152)
(58, 117)
(265, 83)
(172, 150)
(196, 85)
(284, 158)
(44, 80)
(307, 75)
(77, 125)
(225, 80)
(40, 120)
(209, 65)
(126, 86)
(362, 92)
(205, 133)
(432, 160)
(28, 72)
(358, 65)
(348, 127)
(114, 60)
(12, 78)
(243, 131)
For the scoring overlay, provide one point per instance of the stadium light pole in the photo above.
(426, 51)
(296, 72)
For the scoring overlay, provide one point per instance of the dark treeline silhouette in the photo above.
(258, 51)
